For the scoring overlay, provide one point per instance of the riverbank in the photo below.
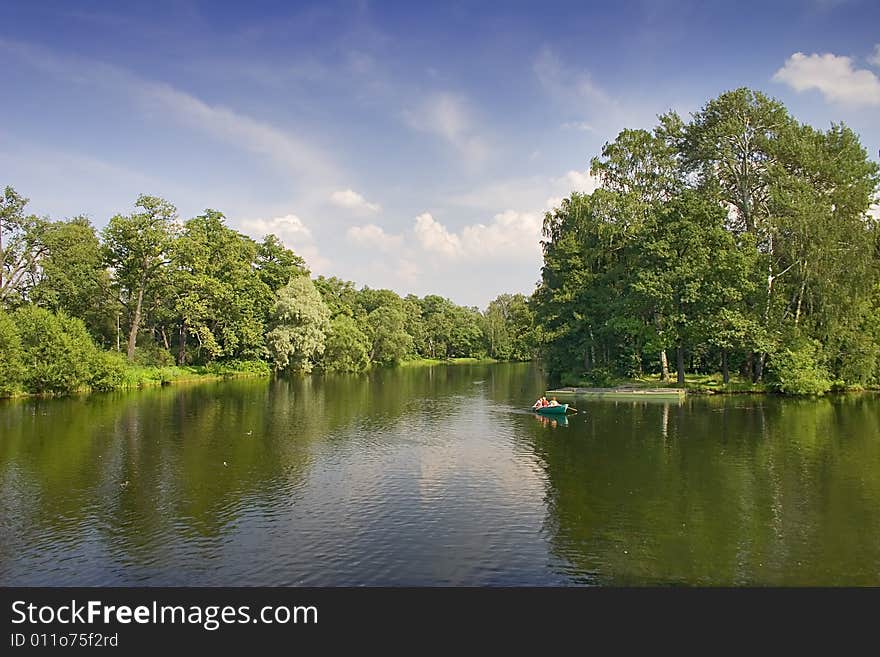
(427, 362)
(701, 384)
(133, 377)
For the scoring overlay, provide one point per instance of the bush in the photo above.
(108, 371)
(57, 350)
(152, 355)
(800, 370)
(11, 368)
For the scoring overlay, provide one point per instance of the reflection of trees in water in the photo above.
(739, 490)
(133, 470)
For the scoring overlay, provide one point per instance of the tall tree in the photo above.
(136, 248)
(300, 321)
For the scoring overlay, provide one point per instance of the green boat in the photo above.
(552, 410)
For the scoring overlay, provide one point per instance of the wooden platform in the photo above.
(673, 394)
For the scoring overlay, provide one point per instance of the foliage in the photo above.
(716, 240)
(300, 320)
(57, 351)
(11, 366)
(347, 348)
(800, 370)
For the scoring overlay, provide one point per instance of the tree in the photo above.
(347, 348)
(220, 300)
(21, 248)
(277, 264)
(56, 349)
(300, 321)
(390, 342)
(136, 248)
(72, 277)
(11, 366)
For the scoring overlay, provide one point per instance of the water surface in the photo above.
(435, 476)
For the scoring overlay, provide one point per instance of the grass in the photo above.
(695, 383)
(422, 362)
(139, 376)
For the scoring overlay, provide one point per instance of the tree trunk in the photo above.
(181, 345)
(135, 323)
(746, 369)
(679, 358)
(725, 369)
(759, 367)
(664, 366)
(587, 363)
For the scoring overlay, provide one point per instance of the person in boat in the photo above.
(537, 404)
(553, 402)
(544, 401)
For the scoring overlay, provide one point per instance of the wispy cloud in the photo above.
(875, 57)
(569, 86)
(286, 150)
(834, 76)
(449, 117)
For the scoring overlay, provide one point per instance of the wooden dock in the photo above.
(664, 394)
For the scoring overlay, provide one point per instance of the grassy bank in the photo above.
(707, 384)
(131, 377)
(422, 362)
(137, 376)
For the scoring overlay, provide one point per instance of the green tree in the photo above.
(277, 264)
(346, 347)
(220, 301)
(57, 351)
(386, 328)
(300, 321)
(21, 247)
(72, 277)
(137, 248)
(11, 367)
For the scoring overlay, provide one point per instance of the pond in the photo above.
(435, 476)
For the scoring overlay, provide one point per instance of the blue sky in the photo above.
(402, 145)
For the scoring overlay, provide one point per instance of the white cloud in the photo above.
(374, 236)
(291, 230)
(434, 236)
(833, 76)
(447, 116)
(875, 58)
(874, 212)
(350, 199)
(509, 234)
(580, 181)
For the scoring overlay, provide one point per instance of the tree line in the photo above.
(738, 241)
(78, 306)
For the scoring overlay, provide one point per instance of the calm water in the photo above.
(435, 476)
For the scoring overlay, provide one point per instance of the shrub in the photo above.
(57, 350)
(108, 371)
(10, 356)
(800, 370)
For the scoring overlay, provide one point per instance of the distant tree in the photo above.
(300, 321)
(386, 328)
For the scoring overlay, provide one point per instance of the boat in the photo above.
(561, 409)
